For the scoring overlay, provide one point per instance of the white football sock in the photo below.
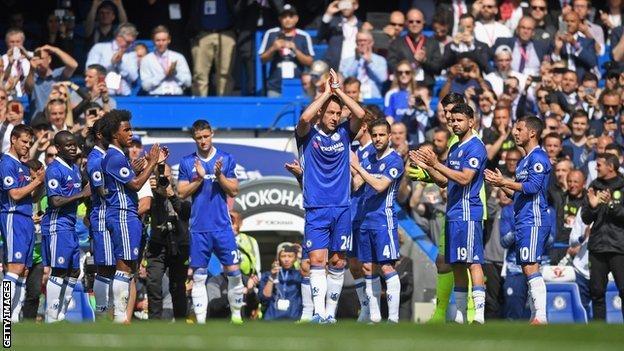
(16, 290)
(360, 290)
(393, 294)
(335, 280)
(121, 291)
(70, 284)
(461, 296)
(537, 292)
(377, 289)
(318, 284)
(235, 293)
(478, 296)
(306, 296)
(199, 294)
(54, 288)
(101, 289)
(373, 304)
(21, 284)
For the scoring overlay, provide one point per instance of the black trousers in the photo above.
(158, 260)
(494, 294)
(33, 291)
(600, 264)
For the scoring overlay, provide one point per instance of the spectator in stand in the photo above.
(119, 60)
(485, 109)
(59, 32)
(42, 77)
(392, 30)
(398, 136)
(498, 138)
(510, 13)
(487, 28)
(5, 125)
(605, 144)
(606, 113)
(589, 29)
(396, 100)
(605, 211)
(213, 41)
(541, 95)
(280, 289)
(57, 115)
(339, 27)
(96, 89)
(577, 50)
(611, 17)
(441, 30)
(102, 19)
(164, 71)
(421, 52)
(369, 68)
(544, 28)
(15, 113)
(569, 90)
(527, 52)
(580, 143)
(15, 62)
(287, 48)
(588, 95)
(502, 62)
(464, 43)
(141, 51)
(463, 75)
(553, 144)
(566, 213)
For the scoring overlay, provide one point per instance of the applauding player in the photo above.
(16, 211)
(122, 219)
(378, 240)
(530, 198)
(60, 245)
(324, 153)
(208, 176)
(463, 174)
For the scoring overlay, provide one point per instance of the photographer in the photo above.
(168, 247)
(418, 115)
(280, 289)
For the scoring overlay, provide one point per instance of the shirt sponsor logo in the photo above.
(338, 147)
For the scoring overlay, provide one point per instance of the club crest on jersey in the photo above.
(8, 181)
(538, 168)
(382, 167)
(335, 137)
(97, 176)
(473, 162)
(394, 172)
(53, 183)
(18, 255)
(124, 172)
(135, 251)
(365, 154)
(510, 291)
(60, 260)
(309, 243)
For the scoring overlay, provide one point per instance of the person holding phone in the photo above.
(164, 72)
(280, 289)
(15, 61)
(339, 27)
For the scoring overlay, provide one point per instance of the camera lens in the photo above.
(163, 181)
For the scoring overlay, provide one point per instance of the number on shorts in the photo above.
(524, 253)
(461, 253)
(386, 251)
(235, 254)
(345, 243)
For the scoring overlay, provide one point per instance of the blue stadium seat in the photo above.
(614, 305)
(81, 310)
(563, 304)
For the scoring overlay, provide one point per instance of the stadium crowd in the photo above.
(561, 61)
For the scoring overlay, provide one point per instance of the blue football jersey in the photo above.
(464, 202)
(531, 204)
(96, 179)
(209, 211)
(117, 173)
(378, 207)
(14, 174)
(325, 162)
(357, 198)
(62, 180)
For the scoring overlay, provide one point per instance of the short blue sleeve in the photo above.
(185, 172)
(474, 158)
(54, 182)
(10, 176)
(394, 170)
(94, 168)
(119, 168)
(229, 167)
(538, 170)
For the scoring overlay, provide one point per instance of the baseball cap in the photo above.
(288, 9)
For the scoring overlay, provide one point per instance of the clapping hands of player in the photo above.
(153, 155)
(199, 168)
(426, 157)
(37, 176)
(494, 178)
(354, 162)
(218, 167)
(294, 168)
(138, 164)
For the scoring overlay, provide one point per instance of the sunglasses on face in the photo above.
(407, 73)
(542, 98)
(538, 8)
(397, 24)
(489, 6)
(415, 21)
(615, 107)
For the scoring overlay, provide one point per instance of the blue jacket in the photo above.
(288, 288)
(584, 57)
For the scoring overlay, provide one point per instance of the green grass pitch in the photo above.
(498, 336)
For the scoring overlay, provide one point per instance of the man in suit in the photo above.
(422, 52)
(339, 27)
(577, 50)
(527, 53)
(464, 43)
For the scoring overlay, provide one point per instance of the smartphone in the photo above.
(560, 70)
(92, 112)
(16, 53)
(15, 108)
(461, 29)
(101, 79)
(589, 91)
(536, 79)
(345, 5)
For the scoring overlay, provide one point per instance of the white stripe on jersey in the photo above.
(123, 217)
(53, 239)
(9, 231)
(469, 242)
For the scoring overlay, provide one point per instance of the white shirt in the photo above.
(349, 32)
(145, 191)
(489, 32)
(24, 67)
(6, 140)
(153, 74)
(580, 261)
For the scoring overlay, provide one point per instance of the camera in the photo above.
(163, 181)
(418, 101)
